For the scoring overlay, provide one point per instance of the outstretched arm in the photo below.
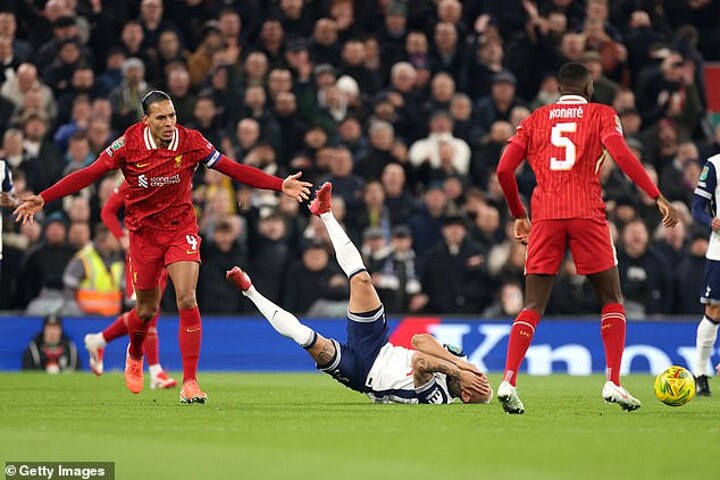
(72, 183)
(256, 178)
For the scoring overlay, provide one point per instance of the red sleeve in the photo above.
(248, 175)
(610, 125)
(521, 137)
(615, 144)
(109, 212)
(76, 181)
(510, 160)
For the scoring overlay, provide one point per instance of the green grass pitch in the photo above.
(297, 426)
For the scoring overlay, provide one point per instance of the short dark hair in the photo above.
(151, 97)
(573, 74)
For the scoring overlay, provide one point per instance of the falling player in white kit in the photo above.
(367, 363)
(704, 211)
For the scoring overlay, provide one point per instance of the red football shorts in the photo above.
(152, 250)
(589, 240)
(130, 288)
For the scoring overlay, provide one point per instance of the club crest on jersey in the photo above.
(178, 161)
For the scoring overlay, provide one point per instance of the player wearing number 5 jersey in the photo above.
(565, 143)
(158, 159)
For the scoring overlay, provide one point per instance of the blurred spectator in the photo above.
(40, 285)
(399, 202)
(382, 139)
(24, 81)
(690, 273)
(311, 282)
(345, 184)
(426, 223)
(499, 104)
(427, 151)
(454, 276)
(222, 250)
(43, 163)
(372, 212)
(201, 61)
(94, 277)
(394, 269)
(78, 153)
(674, 180)
(270, 256)
(508, 304)
(572, 294)
(604, 88)
(51, 350)
(178, 84)
(78, 235)
(644, 273)
(126, 98)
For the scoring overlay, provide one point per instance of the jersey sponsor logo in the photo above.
(143, 181)
(165, 180)
(190, 252)
(178, 161)
(704, 173)
(193, 330)
(574, 112)
(141, 165)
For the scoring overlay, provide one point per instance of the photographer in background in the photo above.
(51, 350)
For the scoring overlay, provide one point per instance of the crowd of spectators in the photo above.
(404, 105)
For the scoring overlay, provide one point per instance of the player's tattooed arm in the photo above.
(424, 366)
(323, 352)
(426, 343)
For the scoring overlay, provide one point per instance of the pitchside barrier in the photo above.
(570, 346)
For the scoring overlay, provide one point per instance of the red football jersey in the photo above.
(564, 146)
(159, 192)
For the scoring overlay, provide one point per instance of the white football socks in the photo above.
(706, 335)
(155, 370)
(284, 322)
(346, 253)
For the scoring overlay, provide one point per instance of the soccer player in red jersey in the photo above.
(565, 144)
(95, 343)
(158, 158)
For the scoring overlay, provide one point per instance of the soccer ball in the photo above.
(675, 386)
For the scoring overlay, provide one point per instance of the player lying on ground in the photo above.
(367, 363)
(704, 207)
(158, 158)
(95, 343)
(565, 144)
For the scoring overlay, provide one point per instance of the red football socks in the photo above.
(612, 330)
(521, 336)
(190, 338)
(152, 344)
(138, 331)
(116, 329)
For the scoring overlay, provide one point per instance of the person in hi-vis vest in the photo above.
(95, 275)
